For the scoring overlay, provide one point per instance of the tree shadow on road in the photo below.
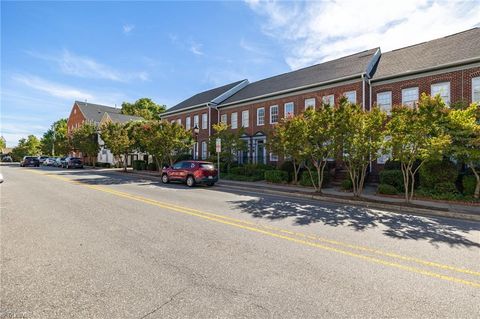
(398, 226)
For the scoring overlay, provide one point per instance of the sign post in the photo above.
(218, 148)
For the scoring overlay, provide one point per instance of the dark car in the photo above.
(73, 162)
(30, 161)
(191, 173)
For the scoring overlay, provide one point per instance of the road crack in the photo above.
(170, 299)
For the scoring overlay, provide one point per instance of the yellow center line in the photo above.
(257, 228)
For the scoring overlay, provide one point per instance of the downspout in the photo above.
(370, 108)
(209, 119)
(363, 91)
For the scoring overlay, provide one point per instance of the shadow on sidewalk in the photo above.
(397, 226)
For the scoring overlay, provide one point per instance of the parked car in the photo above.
(73, 162)
(30, 161)
(59, 161)
(191, 173)
(1, 178)
(42, 159)
(49, 161)
(7, 158)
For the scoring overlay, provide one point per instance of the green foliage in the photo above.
(469, 182)
(3, 144)
(118, 139)
(231, 143)
(84, 139)
(445, 188)
(346, 185)
(392, 165)
(139, 165)
(276, 176)
(251, 170)
(145, 108)
(29, 146)
(387, 189)
(152, 166)
(287, 167)
(306, 180)
(242, 178)
(393, 178)
(56, 139)
(434, 172)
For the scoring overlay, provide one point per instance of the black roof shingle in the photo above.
(94, 112)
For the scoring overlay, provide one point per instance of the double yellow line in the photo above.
(299, 238)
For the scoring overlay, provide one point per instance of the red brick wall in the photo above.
(460, 85)
(75, 119)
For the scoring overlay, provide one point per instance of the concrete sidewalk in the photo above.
(369, 198)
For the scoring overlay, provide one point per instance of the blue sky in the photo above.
(53, 53)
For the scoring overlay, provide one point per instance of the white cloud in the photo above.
(127, 28)
(312, 32)
(195, 48)
(86, 67)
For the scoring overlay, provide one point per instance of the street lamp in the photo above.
(196, 130)
(54, 127)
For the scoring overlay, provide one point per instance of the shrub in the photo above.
(392, 165)
(138, 165)
(469, 182)
(152, 166)
(250, 170)
(305, 179)
(346, 185)
(387, 189)
(287, 166)
(276, 176)
(435, 172)
(241, 178)
(393, 178)
(105, 165)
(445, 188)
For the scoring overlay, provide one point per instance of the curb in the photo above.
(402, 209)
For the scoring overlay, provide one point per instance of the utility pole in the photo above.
(53, 143)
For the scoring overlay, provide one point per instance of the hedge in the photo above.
(435, 172)
(393, 178)
(276, 176)
(305, 179)
(469, 182)
(445, 188)
(139, 165)
(387, 189)
(346, 184)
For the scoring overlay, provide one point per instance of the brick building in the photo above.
(449, 66)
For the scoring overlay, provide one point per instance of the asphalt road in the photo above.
(96, 244)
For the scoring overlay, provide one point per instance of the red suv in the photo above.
(191, 173)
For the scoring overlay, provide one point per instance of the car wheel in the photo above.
(190, 181)
(210, 184)
(165, 178)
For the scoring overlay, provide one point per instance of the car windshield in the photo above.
(207, 166)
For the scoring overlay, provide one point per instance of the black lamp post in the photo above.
(196, 130)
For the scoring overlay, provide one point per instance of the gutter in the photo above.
(434, 68)
(184, 109)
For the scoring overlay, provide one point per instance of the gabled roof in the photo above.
(121, 118)
(205, 97)
(348, 66)
(458, 48)
(94, 112)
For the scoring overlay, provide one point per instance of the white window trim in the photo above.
(204, 150)
(410, 88)
(224, 118)
(272, 107)
(247, 118)
(448, 89)
(389, 111)
(188, 123)
(326, 99)
(285, 109)
(234, 123)
(307, 105)
(204, 121)
(258, 116)
(475, 81)
(354, 94)
(273, 157)
(195, 121)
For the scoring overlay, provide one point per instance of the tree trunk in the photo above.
(406, 174)
(158, 164)
(125, 163)
(320, 170)
(294, 172)
(476, 193)
(312, 179)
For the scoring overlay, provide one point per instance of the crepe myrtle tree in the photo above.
(359, 136)
(118, 139)
(417, 134)
(464, 128)
(232, 144)
(85, 140)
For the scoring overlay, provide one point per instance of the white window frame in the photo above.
(329, 99)
(195, 121)
(310, 103)
(234, 120)
(349, 96)
(409, 102)
(204, 150)
(442, 88)
(188, 123)
(476, 85)
(273, 107)
(382, 98)
(245, 118)
(285, 113)
(273, 157)
(260, 118)
(204, 121)
(179, 122)
(224, 118)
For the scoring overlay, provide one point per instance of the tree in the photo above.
(285, 140)
(417, 135)
(85, 140)
(55, 140)
(164, 140)
(319, 143)
(145, 108)
(29, 146)
(3, 144)
(360, 138)
(464, 128)
(118, 139)
(231, 143)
